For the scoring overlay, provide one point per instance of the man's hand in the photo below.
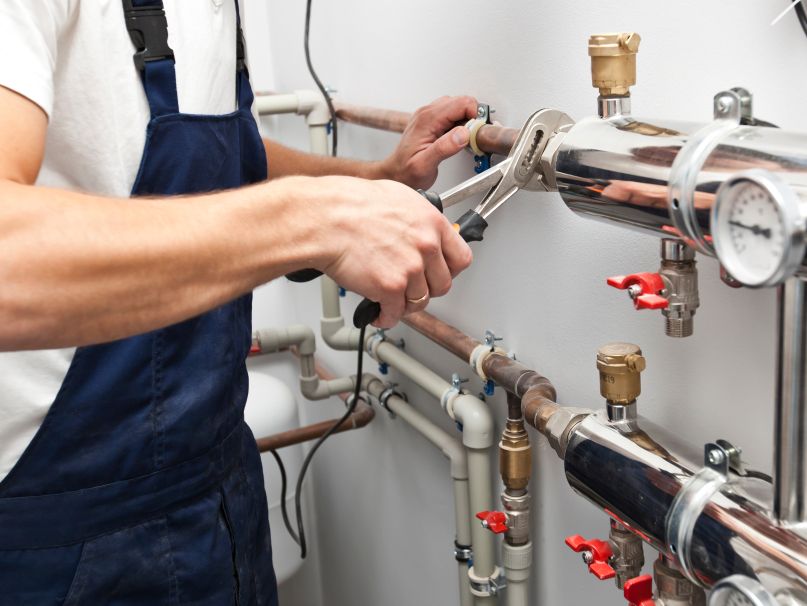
(432, 136)
(387, 243)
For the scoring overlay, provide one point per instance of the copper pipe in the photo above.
(446, 336)
(492, 139)
(360, 417)
(535, 391)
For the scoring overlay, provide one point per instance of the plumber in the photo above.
(135, 218)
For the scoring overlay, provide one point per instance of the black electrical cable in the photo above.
(298, 509)
(802, 15)
(318, 82)
(283, 485)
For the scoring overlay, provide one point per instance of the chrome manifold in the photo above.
(634, 471)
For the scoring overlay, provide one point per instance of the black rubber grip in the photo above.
(472, 226)
(304, 275)
(366, 313)
(434, 198)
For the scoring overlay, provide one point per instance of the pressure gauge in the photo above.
(758, 228)
(740, 590)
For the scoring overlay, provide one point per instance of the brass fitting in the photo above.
(620, 365)
(613, 62)
(515, 456)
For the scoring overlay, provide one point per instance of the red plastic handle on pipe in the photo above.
(495, 521)
(639, 591)
(650, 284)
(600, 551)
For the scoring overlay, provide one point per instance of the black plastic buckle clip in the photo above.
(240, 51)
(148, 29)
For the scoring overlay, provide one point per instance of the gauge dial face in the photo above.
(754, 229)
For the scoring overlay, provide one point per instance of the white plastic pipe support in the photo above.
(517, 560)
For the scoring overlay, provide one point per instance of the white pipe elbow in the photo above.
(314, 388)
(340, 337)
(312, 105)
(477, 421)
(272, 340)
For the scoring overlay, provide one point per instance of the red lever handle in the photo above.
(495, 521)
(650, 285)
(600, 552)
(639, 591)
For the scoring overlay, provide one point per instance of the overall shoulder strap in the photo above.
(243, 91)
(154, 59)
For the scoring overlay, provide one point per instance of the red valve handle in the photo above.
(600, 551)
(639, 591)
(495, 521)
(651, 284)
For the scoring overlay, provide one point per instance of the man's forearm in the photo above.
(79, 269)
(284, 161)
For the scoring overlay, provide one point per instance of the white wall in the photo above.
(384, 505)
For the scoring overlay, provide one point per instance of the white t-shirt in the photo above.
(73, 58)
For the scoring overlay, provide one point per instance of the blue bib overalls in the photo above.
(144, 485)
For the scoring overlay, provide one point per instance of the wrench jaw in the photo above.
(527, 169)
(552, 124)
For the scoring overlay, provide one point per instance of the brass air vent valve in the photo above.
(620, 366)
(613, 69)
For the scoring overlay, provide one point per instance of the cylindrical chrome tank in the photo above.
(634, 470)
(624, 169)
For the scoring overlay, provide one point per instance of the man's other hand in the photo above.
(436, 132)
(385, 242)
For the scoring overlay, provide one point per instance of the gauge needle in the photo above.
(754, 229)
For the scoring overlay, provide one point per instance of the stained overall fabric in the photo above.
(144, 484)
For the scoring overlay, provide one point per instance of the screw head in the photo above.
(716, 457)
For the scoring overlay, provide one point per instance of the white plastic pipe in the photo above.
(308, 103)
(271, 340)
(426, 378)
(318, 137)
(477, 437)
(268, 105)
(455, 453)
(517, 564)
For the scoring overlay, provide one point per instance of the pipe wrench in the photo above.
(520, 170)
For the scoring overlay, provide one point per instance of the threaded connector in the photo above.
(679, 327)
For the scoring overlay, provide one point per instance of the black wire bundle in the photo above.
(318, 82)
(299, 536)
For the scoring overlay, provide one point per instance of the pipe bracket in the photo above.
(384, 396)
(463, 553)
(688, 164)
(480, 354)
(689, 504)
(485, 587)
